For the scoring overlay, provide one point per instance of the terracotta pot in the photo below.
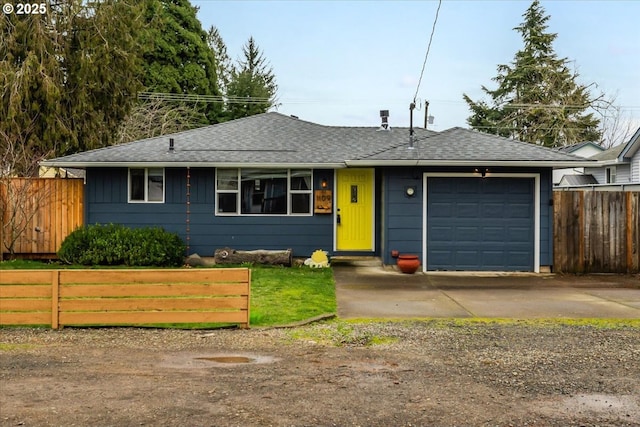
(408, 263)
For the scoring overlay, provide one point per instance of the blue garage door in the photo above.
(476, 224)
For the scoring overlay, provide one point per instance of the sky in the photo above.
(339, 63)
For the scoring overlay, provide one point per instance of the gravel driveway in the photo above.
(374, 374)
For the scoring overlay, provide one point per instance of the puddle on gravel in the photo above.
(200, 360)
(227, 359)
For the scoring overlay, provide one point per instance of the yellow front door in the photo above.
(354, 210)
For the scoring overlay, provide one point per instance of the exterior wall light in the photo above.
(410, 191)
(323, 183)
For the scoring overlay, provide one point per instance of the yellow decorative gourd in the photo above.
(318, 259)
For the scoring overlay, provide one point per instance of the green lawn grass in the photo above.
(279, 295)
(24, 264)
(282, 295)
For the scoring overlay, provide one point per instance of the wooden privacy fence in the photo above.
(596, 232)
(38, 213)
(124, 297)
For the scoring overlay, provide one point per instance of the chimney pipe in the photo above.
(384, 115)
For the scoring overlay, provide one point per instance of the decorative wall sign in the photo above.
(323, 201)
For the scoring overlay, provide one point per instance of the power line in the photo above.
(424, 63)
(187, 97)
(525, 130)
(183, 97)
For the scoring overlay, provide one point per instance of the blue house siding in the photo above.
(107, 202)
(403, 216)
(398, 218)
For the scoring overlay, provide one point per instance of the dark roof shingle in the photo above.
(276, 139)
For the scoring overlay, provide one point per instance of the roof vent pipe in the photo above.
(384, 115)
(411, 141)
(171, 148)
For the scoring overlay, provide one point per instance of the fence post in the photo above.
(55, 298)
(246, 325)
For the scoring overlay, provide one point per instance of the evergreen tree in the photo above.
(102, 67)
(176, 54)
(66, 78)
(252, 87)
(31, 124)
(537, 99)
(223, 61)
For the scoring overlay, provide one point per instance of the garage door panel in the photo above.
(522, 235)
(442, 258)
(488, 224)
(520, 210)
(467, 257)
(493, 259)
(466, 210)
(466, 234)
(441, 234)
(442, 210)
(519, 259)
(442, 187)
(466, 187)
(493, 234)
(492, 210)
(497, 188)
(519, 186)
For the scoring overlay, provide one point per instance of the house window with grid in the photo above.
(264, 191)
(146, 185)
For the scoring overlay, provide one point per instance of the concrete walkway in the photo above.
(384, 292)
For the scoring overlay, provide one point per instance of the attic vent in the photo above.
(384, 115)
(171, 147)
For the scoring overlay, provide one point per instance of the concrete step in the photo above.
(356, 261)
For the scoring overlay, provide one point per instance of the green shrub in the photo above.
(115, 244)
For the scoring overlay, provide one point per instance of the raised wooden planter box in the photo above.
(124, 297)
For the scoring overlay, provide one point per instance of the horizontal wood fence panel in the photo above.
(149, 317)
(25, 291)
(219, 275)
(17, 277)
(25, 318)
(23, 304)
(136, 304)
(596, 232)
(40, 214)
(118, 297)
(151, 290)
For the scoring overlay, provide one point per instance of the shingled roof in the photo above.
(622, 152)
(274, 139)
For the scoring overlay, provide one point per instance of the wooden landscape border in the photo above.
(124, 297)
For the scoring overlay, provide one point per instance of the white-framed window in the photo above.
(610, 173)
(251, 191)
(146, 185)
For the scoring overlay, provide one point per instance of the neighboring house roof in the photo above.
(47, 172)
(620, 153)
(611, 154)
(580, 146)
(272, 139)
(631, 147)
(570, 180)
